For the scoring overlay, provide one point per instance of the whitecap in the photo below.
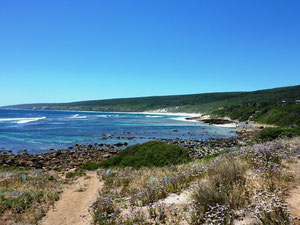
(154, 116)
(104, 116)
(107, 116)
(22, 120)
(112, 115)
(77, 116)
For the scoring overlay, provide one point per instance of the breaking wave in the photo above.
(22, 120)
(154, 116)
(77, 116)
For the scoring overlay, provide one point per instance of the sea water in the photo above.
(37, 131)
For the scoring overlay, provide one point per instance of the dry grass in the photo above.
(252, 182)
(223, 185)
(291, 143)
(25, 196)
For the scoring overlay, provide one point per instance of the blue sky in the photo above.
(61, 51)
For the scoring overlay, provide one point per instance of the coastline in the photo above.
(154, 112)
(182, 116)
(75, 156)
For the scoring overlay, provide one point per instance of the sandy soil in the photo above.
(293, 199)
(74, 204)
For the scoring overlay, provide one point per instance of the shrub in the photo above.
(272, 133)
(223, 179)
(12, 168)
(90, 166)
(104, 210)
(223, 191)
(296, 130)
(78, 173)
(22, 202)
(149, 154)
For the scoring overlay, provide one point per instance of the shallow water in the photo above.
(39, 130)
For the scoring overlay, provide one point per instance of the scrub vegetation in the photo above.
(249, 184)
(149, 154)
(26, 195)
(200, 103)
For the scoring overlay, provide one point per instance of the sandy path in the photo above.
(293, 199)
(73, 206)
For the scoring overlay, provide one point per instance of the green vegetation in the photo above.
(149, 154)
(177, 103)
(272, 133)
(225, 187)
(281, 114)
(76, 173)
(208, 158)
(26, 195)
(90, 166)
(273, 106)
(12, 168)
(25, 201)
(249, 185)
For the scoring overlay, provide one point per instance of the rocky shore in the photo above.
(211, 121)
(77, 155)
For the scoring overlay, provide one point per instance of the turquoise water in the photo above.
(40, 130)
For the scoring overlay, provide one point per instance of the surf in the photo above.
(22, 120)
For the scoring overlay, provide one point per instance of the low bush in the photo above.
(222, 192)
(266, 113)
(296, 130)
(224, 181)
(272, 133)
(21, 203)
(149, 154)
(251, 181)
(90, 166)
(76, 173)
(12, 168)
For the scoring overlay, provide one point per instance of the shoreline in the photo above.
(82, 153)
(183, 116)
(155, 112)
(79, 154)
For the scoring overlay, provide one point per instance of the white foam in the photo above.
(107, 116)
(182, 119)
(154, 116)
(22, 120)
(104, 116)
(77, 116)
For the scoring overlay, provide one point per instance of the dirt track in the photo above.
(74, 204)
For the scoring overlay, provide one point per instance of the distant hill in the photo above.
(176, 103)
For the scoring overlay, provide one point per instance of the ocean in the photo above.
(38, 131)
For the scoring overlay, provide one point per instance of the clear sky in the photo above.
(61, 51)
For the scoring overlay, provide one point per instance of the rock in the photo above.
(75, 156)
(119, 144)
(28, 164)
(217, 121)
(106, 156)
